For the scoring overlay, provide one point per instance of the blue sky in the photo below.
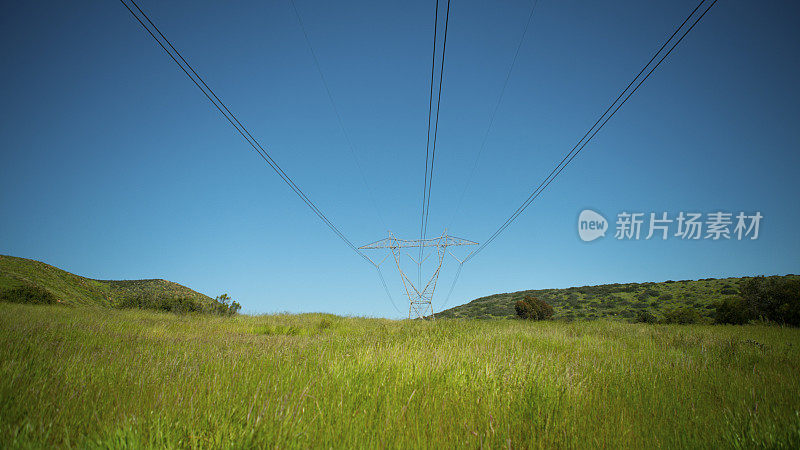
(114, 166)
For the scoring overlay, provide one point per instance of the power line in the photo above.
(483, 145)
(436, 124)
(428, 135)
(338, 115)
(223, 109)
(590, 133)
(452, 286)
(386, 288)
(494, 113)
(426, 188)
(595, 128)
(240, 128)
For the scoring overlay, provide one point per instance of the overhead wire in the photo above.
(601, 121)
(452, 286)
(349, 141)
(428, 137)
(483, 143)
(605, 117)
(200, 83)
(436, 123)
(494, 113)
(426, 192)
(209, 93)
(386, 288)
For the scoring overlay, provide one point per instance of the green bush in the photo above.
(645, 317)
(531, 308)
(649, 292)
(222, 305)
(732, 311)
(28, 294)
(523, 309)
(179, 305)
(775, 299)
(685, 315)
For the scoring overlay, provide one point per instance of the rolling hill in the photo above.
(613, 301)
(77, 290)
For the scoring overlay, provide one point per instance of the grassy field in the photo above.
(611, 301)
(99, 377)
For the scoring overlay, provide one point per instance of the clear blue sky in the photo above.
(114, 166)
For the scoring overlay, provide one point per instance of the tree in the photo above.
(524, 309)
(733, 311)
(225, 305)
(775, 298)
(532, 308)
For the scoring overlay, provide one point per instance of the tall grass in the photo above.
(103, 377)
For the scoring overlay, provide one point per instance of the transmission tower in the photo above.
(420, 298)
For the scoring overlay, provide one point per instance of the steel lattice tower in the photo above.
(420, 300)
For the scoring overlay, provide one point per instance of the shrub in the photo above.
(733, 311)
(28, 294)
(649, 292)
(645, 317)
(774, 299)
(531, 308)
(523, 309)
(685, 315)
(222, 305)
(179, 305)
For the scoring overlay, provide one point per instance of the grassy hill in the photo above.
(78, 290)
(613, 301)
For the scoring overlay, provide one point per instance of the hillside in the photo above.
(614, 301)
(78, 290)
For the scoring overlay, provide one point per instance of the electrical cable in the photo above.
(616, 105)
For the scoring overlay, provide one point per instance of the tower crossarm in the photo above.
(441, 241)
(420, 298)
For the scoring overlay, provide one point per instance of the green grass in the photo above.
(99, 377)
(77, 290)
(610, 301)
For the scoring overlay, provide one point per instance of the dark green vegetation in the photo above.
(181, 305)
(28, 294)
(91, 377)
(673, 301)
(531, 308)
(773, 299)
(28, 281)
